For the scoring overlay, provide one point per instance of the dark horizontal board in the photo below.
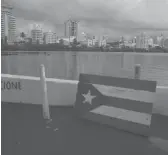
(135, 84)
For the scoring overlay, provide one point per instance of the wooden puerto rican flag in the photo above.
(119, 102)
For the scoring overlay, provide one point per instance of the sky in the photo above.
(114, 18)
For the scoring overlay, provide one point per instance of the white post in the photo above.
(46, 111)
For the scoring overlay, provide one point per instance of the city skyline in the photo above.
(115, 18)
(71, 29)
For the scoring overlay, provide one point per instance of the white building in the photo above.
(67, 40)
(89, 42)
(150, 42)
(142, 41)
(129, 44)
(8, 24)
(102, 42)
(93, 41)
(50, 38)
(11, 29)
(160, 40)
(37, 35)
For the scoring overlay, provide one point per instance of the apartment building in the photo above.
(71, 28)
(37, 35)
(142, 41)
(8, 24)
(50, 38)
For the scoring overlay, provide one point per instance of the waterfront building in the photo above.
(165, 44)
(37, 34)
(89, 42)
(102, 41)
(8, 24)
(150, 42)
(50, 37)
(71, 28)
(142, 41)
(93, 41)
(155, 40)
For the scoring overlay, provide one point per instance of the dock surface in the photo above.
(24, 132)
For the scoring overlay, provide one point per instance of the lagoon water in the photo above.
(68, 65)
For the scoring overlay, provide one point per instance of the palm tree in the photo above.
(22, 35)
(75, 42)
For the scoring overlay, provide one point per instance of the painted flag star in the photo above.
(88, 97)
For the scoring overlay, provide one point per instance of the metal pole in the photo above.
(46, 112)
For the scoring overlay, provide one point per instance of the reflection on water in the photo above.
(29, 64)
(68, 65)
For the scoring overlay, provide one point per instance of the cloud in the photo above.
(106, 16)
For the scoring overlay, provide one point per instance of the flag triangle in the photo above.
(87, 98)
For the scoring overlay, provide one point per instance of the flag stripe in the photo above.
(122, 114)
(119, 82)
(110, 101)
(125, 93)
(127, 104)
(119, 124)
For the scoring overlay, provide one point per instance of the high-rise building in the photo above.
(11, 29)
(160, 40)
(155, 41)
(165, 44)
(134, 40)
(50, 38)
(102, 41)
(37, 34)
(8, 24)
(71, 28)
(142, 41)
(138, 41)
